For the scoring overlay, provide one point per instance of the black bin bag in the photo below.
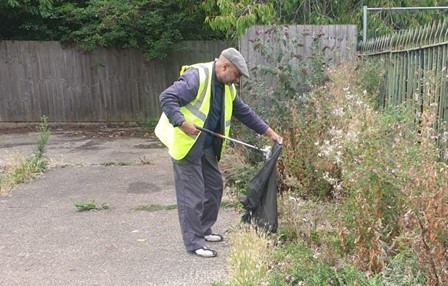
(260, 202)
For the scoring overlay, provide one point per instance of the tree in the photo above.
(29, 6)
(229, 16)
(24, 19)
(234, 17)
(153, 26)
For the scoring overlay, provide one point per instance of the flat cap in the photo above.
(237, 59)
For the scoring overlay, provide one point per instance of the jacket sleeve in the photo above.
(179, 94)
(248, 117)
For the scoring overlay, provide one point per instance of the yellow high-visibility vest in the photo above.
(179, 143)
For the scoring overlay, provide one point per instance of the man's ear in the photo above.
(225, 66)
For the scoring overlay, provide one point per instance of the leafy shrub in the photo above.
(279, 92)
(286, 77)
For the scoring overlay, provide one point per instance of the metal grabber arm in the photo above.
(266, 152)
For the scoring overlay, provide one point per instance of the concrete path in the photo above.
(44, 240)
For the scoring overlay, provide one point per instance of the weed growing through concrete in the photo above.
(90, 205)
(44, 134)
(119, 163)
(156, 207)
(145, 161)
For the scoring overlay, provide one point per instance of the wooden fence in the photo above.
(68, 85)
(415, 63)
(110, 85)
(339, 41)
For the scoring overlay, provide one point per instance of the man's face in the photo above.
(230, 74)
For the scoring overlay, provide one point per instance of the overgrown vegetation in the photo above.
(21, 169)
(363, 189)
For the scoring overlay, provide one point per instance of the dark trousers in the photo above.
(199, 188)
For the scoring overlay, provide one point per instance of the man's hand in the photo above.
(274, 136)
(189, 128)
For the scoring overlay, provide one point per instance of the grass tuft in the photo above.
(20, 169)
(250, 257)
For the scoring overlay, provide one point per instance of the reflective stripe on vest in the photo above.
(179, 143)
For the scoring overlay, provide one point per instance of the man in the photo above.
(204, 96)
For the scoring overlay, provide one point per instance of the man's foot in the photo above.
(205, 252)
(214, 237)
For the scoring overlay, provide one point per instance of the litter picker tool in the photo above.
(266, 151)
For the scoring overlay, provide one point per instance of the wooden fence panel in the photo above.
(68, 85)
(340, 41)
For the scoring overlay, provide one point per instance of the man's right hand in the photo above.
(274, 136)
(189, 128)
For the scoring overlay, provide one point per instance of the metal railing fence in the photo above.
(415, 63)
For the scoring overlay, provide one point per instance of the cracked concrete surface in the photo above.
(44, 240)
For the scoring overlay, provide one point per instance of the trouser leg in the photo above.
(189, 186)
(213, 189)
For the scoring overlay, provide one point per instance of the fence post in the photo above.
(364, 24)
